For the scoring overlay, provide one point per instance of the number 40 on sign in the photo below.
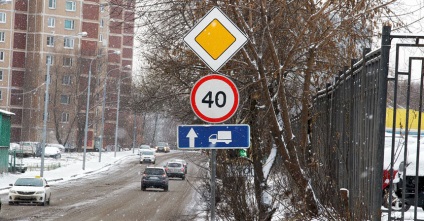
(214, 98)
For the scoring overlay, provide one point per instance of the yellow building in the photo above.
(401, 119)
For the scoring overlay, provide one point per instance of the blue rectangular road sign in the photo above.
(222, 136)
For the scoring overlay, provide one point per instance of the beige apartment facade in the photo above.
(65, 39)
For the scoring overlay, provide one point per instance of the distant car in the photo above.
(147, 156)
(60, 146)
(17, 167)
(70, 148)
(14, 146)
(53, 152)
(175, 169)
(154, 177)
(28, 148)
(163, 147)
(97, 149)
(144, 147)
(30, 190)
(183, 162)
(49, 151)
(112, 148)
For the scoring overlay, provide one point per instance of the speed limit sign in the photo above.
(214, 98)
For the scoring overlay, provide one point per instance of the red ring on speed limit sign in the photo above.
(214, 98)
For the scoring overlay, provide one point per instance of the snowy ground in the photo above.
(70, 167)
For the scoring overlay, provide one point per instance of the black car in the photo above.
(154, 177)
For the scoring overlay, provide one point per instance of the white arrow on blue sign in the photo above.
(223, 136)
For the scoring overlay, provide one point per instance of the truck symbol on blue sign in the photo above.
(234, 136)
(221, 136)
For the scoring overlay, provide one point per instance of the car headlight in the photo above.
(12, 191)
(39, 192)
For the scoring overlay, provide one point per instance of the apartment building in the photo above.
(66, 40)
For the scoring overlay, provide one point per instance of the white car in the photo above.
(60, 146)
(147, 156)
(183, 162)
(30, 190)
(51, 151)
(144, 147)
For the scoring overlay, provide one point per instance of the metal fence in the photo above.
(347, 132)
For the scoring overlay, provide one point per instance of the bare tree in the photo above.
(294, 48)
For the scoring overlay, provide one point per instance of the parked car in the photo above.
(70, 148)
(97, 149)
(183, 162)
(112, 148)
(14, 146)
(409, 169)
(147, 156)
(30, 190)
(144, 147)
(175, 169)
(154, 177)
(49, 151)
(17, 167)
(29, 148)
(400, 168)
(60, 146)
(163, 147)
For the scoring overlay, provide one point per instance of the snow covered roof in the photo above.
(6, 112)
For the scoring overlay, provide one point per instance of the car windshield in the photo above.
(154, 171)
(162, 144)
(144, 147)
(180, 161)
(147, 153)
(174, 165)
(28, 182)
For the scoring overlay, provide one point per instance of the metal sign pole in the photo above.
(213, 183)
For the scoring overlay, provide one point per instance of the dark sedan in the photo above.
(154, 177)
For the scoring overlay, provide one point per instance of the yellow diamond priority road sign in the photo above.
(215, 39)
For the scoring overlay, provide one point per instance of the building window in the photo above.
(50, 98)
(1, 75)
(48, 115)
(102, 23)
(50, 41)
(51, 22)
(52, 4)
(65, 99)
(102, 7)
(101, 37)
(66, 80)
(2, 36)
(45, 80)
(2, 17)
(65, 117)
(1, 55)
(67, 61)
(49, 59)
(70, 6)
(69, 24)
(68, 42)
(1, 95)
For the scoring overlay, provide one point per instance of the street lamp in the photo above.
(117, 111)
(103, 110)
(46, 106)
(88, 104)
